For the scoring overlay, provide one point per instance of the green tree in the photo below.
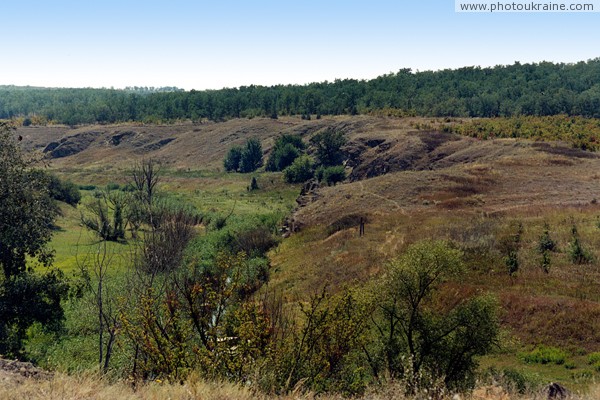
(251, 157)
(27, 214)
(287, 148)
(328, 145)
(300, 171)
(232, 160)
(420, 341)
(333, 175)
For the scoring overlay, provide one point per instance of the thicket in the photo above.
(27, 214)
(286, 149)
(244, 159)
(520, 89)
(582, 133)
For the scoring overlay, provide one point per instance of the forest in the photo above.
(538, 89)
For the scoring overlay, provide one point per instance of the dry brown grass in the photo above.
(92, 387)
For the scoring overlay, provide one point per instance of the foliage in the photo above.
(253, 184)
(29, 298)
(334, 174)
(251, 157)
(577, 253)
(300, 171)
(232, 159)
(106, 215)
(546, 243)
(328, 146)
(65, 191)
(510, 246)
(513, 90)
(323, 351)
(545, 355)
(287, 148)
(27, 215)
(193, 322)
(545, 246)
(418, 341)
(244, 159)
(581, 133)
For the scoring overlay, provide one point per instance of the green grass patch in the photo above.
(545, 355)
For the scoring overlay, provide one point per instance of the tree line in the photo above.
(538, 89)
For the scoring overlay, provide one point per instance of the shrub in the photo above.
(287, 148)
(300, 171)
(251, 156)
(282, 157)
(232, 160)
(546, 243)
(87, 187)
(510, 246)
(328, 146)
(545, 355)
(65, 191)
(577, 253)
(335, 174)
(253, 184)
(418, 342)
(594, 358)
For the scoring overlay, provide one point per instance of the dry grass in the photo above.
(92, 387)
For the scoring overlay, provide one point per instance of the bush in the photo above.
(87, 187)
(577, 253)
(546, 243)
(287, 148)
(251, 157)
(65, 191)
(253, 184)
(232, 160)
(282, 157)
(545, 355)
(594, 359)
(300, 171)
(418, 342)
(335, 174)
(328, 146)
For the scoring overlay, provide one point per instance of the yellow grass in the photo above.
(93, 387)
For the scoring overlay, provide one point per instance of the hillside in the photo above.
(408, 180)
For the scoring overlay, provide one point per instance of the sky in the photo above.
(196, 44)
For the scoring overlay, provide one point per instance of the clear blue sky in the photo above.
(210, 45)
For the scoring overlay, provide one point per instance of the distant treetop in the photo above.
(538, 89)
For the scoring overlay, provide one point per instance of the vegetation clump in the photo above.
(27, 216)
(244, 159)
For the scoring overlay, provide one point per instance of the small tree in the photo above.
(510, 246)
(421, 342)
(65, 191)
(300, 171)
(577, 253)
(282, 157)
(253, 184)
(106, 215)
(328, 145)
(251, 157)
(545, 246)
(287, 148)
(333, 175)
(232, 160)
